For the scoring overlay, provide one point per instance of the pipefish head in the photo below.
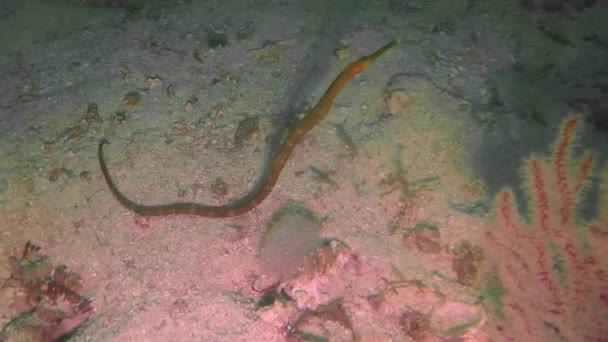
(365, 61)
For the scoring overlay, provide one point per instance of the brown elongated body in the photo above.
(256, 196)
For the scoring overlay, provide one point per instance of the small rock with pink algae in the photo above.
(467, 263)
(321, 279)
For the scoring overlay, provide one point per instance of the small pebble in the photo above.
(142, 222)
(55, 174)
(397, 101)
(180, 127)
(246, 31)
(59, 172)
(69, 156)
(467, 263)
(415, 325)
(86, 176)
(131, 100)
(76, 132)
(428, 241)
(344, 53)
(119, 118)
(188, 107)
(92, 116)
(246, 129)
(171, 90)
(219, 187)
(153, 83)
(216, 39)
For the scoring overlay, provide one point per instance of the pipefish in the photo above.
(268, 181)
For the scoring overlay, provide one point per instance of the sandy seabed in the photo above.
(377, 228)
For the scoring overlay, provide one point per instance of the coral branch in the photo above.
(540, 200)
(583, 173)
(552, 268)
(559, 160)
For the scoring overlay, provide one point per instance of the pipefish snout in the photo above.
(258, 194)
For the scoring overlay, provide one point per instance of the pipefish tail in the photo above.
(258, 194)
